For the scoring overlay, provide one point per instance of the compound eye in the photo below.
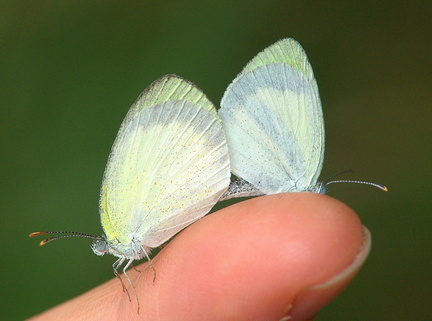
(99, 246)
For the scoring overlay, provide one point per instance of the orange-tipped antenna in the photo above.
(68, 234)
(328, 182)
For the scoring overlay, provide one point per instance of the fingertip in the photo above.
(258, 255)
(312, 299)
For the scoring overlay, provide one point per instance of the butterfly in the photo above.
(273, 120)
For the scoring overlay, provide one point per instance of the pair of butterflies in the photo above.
(174, 153)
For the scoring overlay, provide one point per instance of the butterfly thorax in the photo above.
(320, 188)
(132, 250)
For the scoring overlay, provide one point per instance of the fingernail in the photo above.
(312, 299)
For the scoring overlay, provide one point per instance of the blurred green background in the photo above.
(69, 71)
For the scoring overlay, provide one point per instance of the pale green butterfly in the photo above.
(273, 121)
(167, 168)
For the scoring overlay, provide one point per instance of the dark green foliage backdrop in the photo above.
(69, 70)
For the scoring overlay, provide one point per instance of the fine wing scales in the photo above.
(273, 121)
(168, 166)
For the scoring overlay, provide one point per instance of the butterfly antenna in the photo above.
(328, 182)
(325, 182)
(382, 187)
(68, 234)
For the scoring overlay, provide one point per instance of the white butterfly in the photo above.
(273, 121)
(167, 168)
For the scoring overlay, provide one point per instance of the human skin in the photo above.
(266, 258)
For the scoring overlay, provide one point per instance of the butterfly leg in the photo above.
(129, 263)
(150, 263)
(116, 267)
